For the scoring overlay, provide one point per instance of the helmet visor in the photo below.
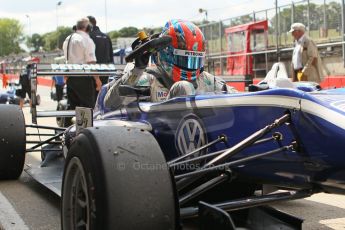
(186, 59)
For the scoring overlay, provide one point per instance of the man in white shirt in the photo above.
(80, 49)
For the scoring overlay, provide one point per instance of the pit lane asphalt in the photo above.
(30, 205)
(37, 206)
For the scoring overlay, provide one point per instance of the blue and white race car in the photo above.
(160, 165)
(8, 94)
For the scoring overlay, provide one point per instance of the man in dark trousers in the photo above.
(104, 47)
(80, 49)
(24, 81)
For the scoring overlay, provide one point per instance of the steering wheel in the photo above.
(152, 45)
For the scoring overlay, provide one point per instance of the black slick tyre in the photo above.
(110, 182)
(12, 142)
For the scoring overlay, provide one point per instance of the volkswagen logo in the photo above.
(190, 135)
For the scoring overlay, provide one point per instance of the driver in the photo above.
(179, 69)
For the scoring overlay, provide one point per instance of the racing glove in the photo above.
(142, 61)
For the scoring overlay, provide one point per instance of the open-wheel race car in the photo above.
(277, 77)
(8, 94)
(155, 165)
(12, 92)
(189, 161)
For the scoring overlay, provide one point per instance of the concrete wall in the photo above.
(334, 65)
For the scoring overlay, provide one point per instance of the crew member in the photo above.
(4, 80)
(80, 49)
(24, 82)
(58, 82)
(104, 47)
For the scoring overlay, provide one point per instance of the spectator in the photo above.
(58, 82)
(104, 47)
(24, 82)
(80, 49)
(306, 63)
(179, 69)
(4, 80)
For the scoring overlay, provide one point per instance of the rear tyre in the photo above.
(12, 141)
(106, 186)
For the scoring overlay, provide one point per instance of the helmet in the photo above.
(184, 58)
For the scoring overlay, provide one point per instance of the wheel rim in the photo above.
(75, 202)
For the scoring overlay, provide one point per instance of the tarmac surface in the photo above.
(25, 204)
(34, 205)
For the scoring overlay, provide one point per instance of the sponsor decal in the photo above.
(189, 53)
(190, 135)
(84, 67)
(162, 94)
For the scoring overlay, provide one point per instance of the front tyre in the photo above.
(108, 182)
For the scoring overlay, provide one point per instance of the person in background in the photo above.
(4, 80)
(58, 82)
(80, 49)
(104, 47)
(306, 62)
(24, 81)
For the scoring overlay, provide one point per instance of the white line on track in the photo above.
(9, 218)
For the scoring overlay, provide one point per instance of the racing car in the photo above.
(11, 94)
(161, 165)
(277, 77)
(8, 95)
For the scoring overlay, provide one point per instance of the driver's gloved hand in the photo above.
(142, 61)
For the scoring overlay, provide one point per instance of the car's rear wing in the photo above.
(68, 70)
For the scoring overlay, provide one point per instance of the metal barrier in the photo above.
(68, 70)
(324, 21)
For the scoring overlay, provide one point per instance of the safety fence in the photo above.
(323, 20)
